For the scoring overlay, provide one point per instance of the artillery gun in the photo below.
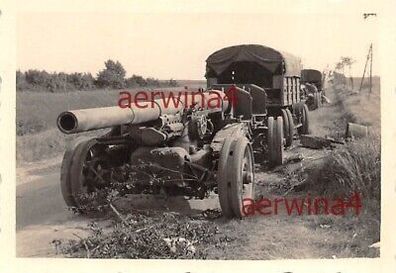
(189, 148)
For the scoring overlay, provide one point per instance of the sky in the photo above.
(174, 43)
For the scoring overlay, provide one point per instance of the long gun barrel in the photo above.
(76, 121)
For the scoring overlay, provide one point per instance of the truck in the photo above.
(271, 79)
(313, 82)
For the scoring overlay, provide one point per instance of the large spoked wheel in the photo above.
(235, 176)
(84, 170)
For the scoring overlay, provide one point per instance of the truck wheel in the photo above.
(236, 180)
(278, 143)
(286, 127)
(304, 129)
(83, 170)
(289, 130)
(270, 137)
(291, 127)
(315, 101)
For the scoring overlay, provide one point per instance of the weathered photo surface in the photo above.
(186, 135)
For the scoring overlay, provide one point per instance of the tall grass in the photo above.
(40, 146)
(47, 144)
(355, 167)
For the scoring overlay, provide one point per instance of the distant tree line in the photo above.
(111, 77)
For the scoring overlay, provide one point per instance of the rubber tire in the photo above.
(229, 176)
(71, 172)
(223, 178)
(270, 137)
(65, 179)
(305, 120)
(286, 128)
(278, 142)
(65, 169)
(298, 110)
(315, 101)
(289, 139)
(235, 161)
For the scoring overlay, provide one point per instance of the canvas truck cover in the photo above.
(267, 57)
(311, 75)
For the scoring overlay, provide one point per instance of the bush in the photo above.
(172, 83)
(139, 81)
(148, 235)
(53, 82)
(81, 81)
(339, 78)
(136, 81)
(21, 83)
(153, 82)
(36, 77)
(112, 76)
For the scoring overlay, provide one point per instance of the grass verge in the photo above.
(45, 145)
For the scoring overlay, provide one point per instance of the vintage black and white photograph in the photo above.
(198, 135)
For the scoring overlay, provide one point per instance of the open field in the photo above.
(279, 236)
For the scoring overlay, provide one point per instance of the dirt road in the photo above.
(42, 216)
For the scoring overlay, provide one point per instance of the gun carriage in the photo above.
(181, 149)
